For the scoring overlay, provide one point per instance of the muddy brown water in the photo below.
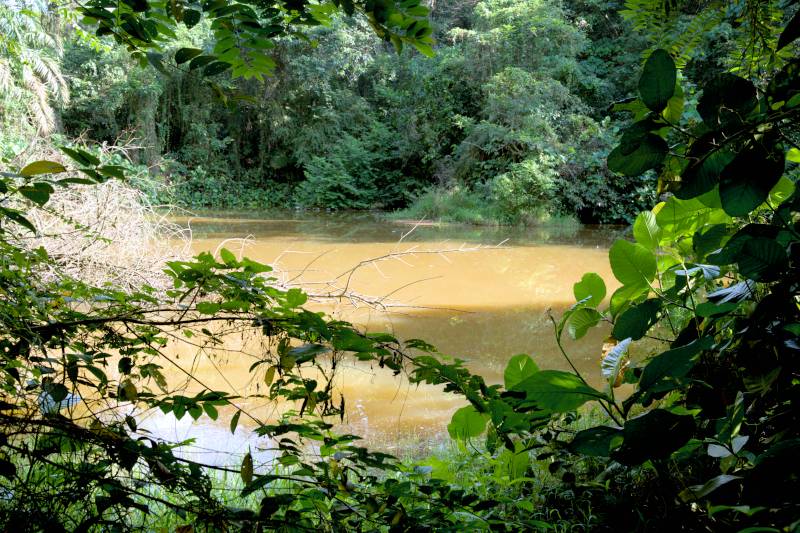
(479, 294)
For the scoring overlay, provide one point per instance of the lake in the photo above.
(479, 294)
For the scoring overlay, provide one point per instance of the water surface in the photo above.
(479, 294)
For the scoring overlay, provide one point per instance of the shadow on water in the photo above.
(347, 227)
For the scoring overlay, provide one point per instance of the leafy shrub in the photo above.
(526, 191)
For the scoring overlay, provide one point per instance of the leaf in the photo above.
(127, 391)
(595, 442)
(700, 491)
(246, 469)
(726, 101)
(467, 423)
(674, 363)
(632, 264)
(112, 171)
(625, 296)
(228, 258)
(235, 421)
(614, 361)
(747, 180)
(791, 32)
(208, 308)
(782, 191)
(653, 435)
(217, 67)
(519, 368)
(191, 17)
(718, 451)
(82, 157)
(762, 259)
(424, 49)
(657, 83)
(156, 60)
(295, 298)
(580, 321)
(646, 230)
(733, 293)
(703, 173)
(42, 167)
(211, 411)
(557, 391)
(185, 54)
(636, 157)
(201, 61)
(38, 193)
(269, 375)
(709, 309)
(590, 286)
(674, 109)
(709, 239)
(637, 320)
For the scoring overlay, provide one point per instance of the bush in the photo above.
(526, 191)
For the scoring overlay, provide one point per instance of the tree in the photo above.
(30, 74)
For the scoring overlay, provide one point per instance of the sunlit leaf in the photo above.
(590, 288)
(467, 423)
(42, 167)
(519, 367)
(632, 264)
(557, 391)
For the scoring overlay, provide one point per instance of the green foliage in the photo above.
(344, 123)
(707, 439)
(66, 468)
(243, 32)
(711, 278)
(31, 79)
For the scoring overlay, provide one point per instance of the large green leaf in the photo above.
(791, 32)
(674, 110)
(580, 321)
(681, 218)
(595, 442)
(42, 167)
(186, 54)
(703, 173)
(657, 83)
(637, 320)
(467, 423)
(726, 100)
(590, 288)
(625, 296)
(674, 363)
(519, 368)
(632, 264)
(646, 230)
(38, 193)
(653, 435)
(709, 239)
(762, 259)
(557, 391)
(747, 180)
(636, 157)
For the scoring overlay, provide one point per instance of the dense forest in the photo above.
(677, 118)
(505, 123)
